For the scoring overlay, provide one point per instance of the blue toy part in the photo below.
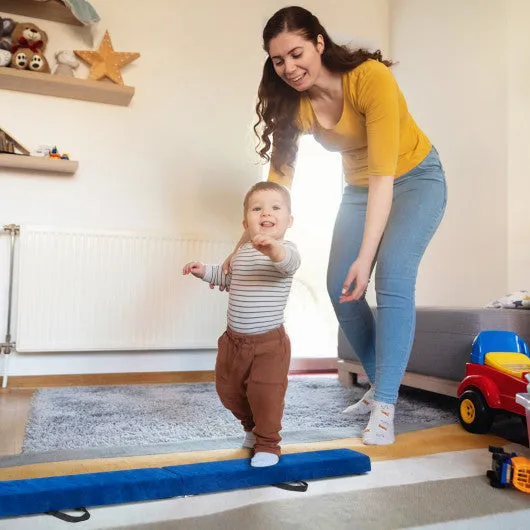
(506, 474)
(42, 495)
(497, 341)
(500, 474)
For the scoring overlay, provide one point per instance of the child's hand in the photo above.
(269, 246)
(196, 268)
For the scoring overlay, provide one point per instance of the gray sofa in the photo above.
(442, 345)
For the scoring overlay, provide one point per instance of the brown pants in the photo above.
(251, 380)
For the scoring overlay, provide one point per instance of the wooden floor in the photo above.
(14, 406)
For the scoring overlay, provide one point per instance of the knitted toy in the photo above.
(6, 28)
(5, 57)
(28, 35)
(26, 59)
(28, 46)
(66, 63)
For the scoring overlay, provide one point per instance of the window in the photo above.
(316, 194)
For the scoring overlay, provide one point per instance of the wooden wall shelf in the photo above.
(38, 163)
(65, 87)
(53, 10)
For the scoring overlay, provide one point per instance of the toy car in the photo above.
(499, 362)
(509, 469)
(54, 153)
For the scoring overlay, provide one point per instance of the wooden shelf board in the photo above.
(65, 87)
(51, 10)
(38, 163)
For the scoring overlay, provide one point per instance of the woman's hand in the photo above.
(359, 275)
(380, 194)
(226, 263)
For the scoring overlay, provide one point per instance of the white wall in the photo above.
(180, 157)
(453, 71)
(518, 145)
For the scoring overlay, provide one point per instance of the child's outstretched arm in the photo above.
(196, 268)
(283, 254)
(212, 274)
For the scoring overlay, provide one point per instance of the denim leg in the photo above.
(417, 209)
(355, 318)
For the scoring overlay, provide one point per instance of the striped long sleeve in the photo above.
(259, 288)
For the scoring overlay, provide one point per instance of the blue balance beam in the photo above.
(42, 495)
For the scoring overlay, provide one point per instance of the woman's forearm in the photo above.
(380, 194)
(245, 238)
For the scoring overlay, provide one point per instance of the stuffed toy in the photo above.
(516, 300)
(6, 28)
(28, 45)
(5, 57)
(66, 63)
(26, 59)
(28, 35)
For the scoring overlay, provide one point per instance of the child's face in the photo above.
(267, 214)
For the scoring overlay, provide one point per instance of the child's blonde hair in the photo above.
(265, 186)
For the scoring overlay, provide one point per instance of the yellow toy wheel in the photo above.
(474, 412)
(467, 411)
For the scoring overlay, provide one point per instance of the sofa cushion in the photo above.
(443, 338)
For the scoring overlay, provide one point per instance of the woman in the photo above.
(394, 198)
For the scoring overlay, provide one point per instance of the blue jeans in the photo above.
(383, 347)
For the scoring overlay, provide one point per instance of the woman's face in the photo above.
(296, 60)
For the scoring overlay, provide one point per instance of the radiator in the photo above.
(4, 281)
(101, 291)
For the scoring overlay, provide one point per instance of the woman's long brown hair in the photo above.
(278, 103)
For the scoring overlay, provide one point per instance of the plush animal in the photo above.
(5, 57)
(28, 45)
(27, 59)
(28, 35)
(66, 63)
(38, 63)
(516, 300)
(6, 28)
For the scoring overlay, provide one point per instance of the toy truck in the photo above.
(497, 371)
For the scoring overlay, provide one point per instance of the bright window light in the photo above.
(315, 194)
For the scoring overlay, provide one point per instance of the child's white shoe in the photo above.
(380, 428)
(264, 460)
(249, 441)
(363, 406)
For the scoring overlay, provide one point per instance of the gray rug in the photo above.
(109, 421)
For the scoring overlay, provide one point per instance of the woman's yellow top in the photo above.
(376, 135)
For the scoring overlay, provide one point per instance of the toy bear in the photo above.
(6, 28)
(28, 35)
(28, 46)
(26, 59)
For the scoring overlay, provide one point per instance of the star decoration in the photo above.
(106, 62)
